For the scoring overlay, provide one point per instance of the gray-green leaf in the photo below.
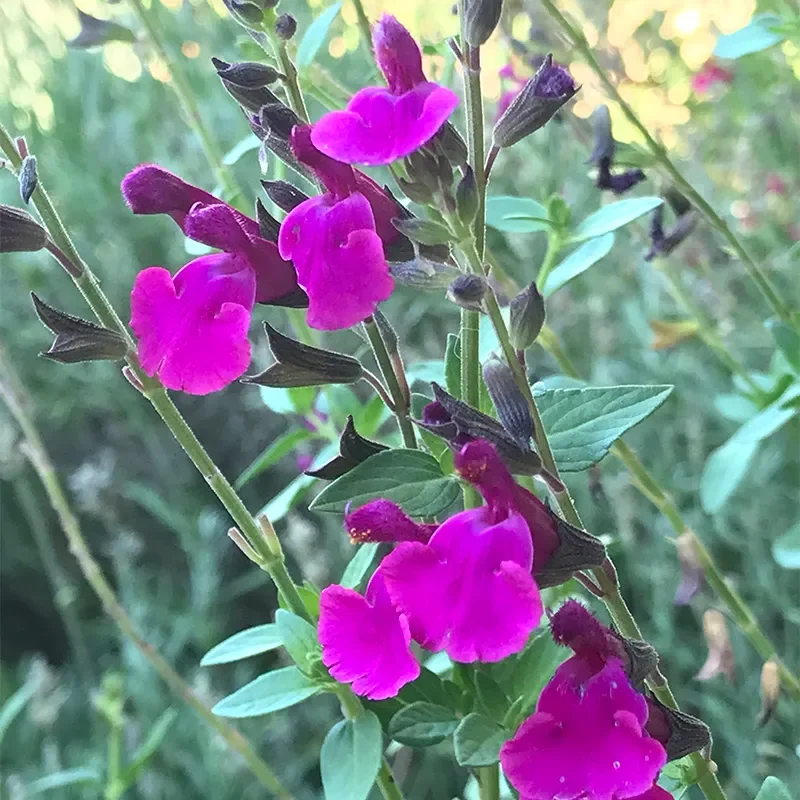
(410, 478)
(516, 214)
(244, 644)
(477, 741)
(578, 262)
(773, 789)
(359, 565)
(298, 636)
(613, 216)
(273, 453)
(422, 724)
(582, 424)
(270, 692)
(315, 36)
(751, 39)
(350, 757)
(786, 548)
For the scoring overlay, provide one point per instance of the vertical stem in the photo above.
(293, 91)
(755, 272)
(554, 243)
(364, 27)
(489, 782)
(64, 593)
(40, 459)
(399, 399)
(186, 98)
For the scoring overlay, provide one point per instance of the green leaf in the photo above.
(516, 214)
(244, 644)
(613, 216)
(62, 778)
(239, 149)
(735, 407)
(428, 687)
(298, 399)
(359, 565)
(315, 36)
(270, 692)
(786, 548)
(273, 453)
(298, 637)
(582, 424)
(773, 789)
(728, 464)
(410, 478)
(351, 757)
(788, 341)
(578, 262)
(149, 747)
(755, 36)
(477, 741)
(13, 707)
(493, 700)
(452, 365)
(422, 724)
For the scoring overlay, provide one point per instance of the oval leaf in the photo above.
(422, 724)
(315, 36)
(273, 453)
(516, 214)
(351, 757)
(359, 565)
(66, 777)
(411, 478)
(773, 789)
(751, 39)
(614, 216)
(582, 424)
(477, 741)
(786, 549)
(244, 644)
(578, 262)
(298, 636)
(270, 692)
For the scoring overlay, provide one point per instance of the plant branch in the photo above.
(40, 459)
(659, 152)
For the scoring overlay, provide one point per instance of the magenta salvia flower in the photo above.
(365, 640)
(383, 520)
(587, 739)
(381, 125)
(335, 241)
(192, 329)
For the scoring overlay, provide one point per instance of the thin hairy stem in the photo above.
(554, 244)
(659, 152)
(293, 92)
(364, 28)
(399, 404)
(183, 90)
(40, 459)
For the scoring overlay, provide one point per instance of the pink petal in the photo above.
(655, 792)
(217, 226)
(192, 329)
(365, 641)
(584, 741)
(384, 521)
(378, 127)
(398, 55)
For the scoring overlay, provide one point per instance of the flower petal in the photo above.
(365, 641)
(398, 55)
(384, 521)
(192, 329)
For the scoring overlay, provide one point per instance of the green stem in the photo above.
(290, 81)
(554, 244)
(400, 402)
(186, 98)
(114, 786)
(64, 593)
(578, 41)
(40, 460)
(661, 499)
(705, 327)
(364, 28)
(489, 782)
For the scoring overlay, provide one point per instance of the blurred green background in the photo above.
(91, 115)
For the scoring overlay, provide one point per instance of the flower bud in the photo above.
(558, 211)
(720, 650)
(76, 339)
(603, 144)
(468, 291)
(278, 120)
(251, 98)
(480, 20)
(19, 231)
(386, 331)
(286, 196)
(663, 242)
(299, 364)
(512, 408)
(423, 231)
(421, 273)
(247, 74)
(678, 732)
(418, 192)
(691, 569)
(544, 94)
(770, 692)
(353, 449)
(285, 27)
(620, 182)
(452, 146)
(527, 317)
(245, 12)
(28, 178)
(467, 197)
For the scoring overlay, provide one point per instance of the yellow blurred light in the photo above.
(158, 69)
(679, 93)
(338, 47)
(351, 36)
(348, 14)
(582, 109)
(42, 106)
(591, 34)
(190, 49)
(173, 5)
(633, 59)
(696, 50)
(120, 60)
(687, 21)
(730, 17)
(521, 27)
(658, 61)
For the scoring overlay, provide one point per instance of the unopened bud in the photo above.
(76, 339)
(418, 192)
(691, 569)
(422, 168)
(285, 27)
(451, 144)
(298, 364)
(541, 97)
(720, 651)
(468, 291)
(619, 182)
(770, 692)
(663, 242)
(353, 449)
(677, 201)
(678, 732)
(28, 178)
(268, 226)
(247, 74)
(421, 273)
(512, 408)
(558, 211)
(603, 144)
(386, 331)
(19, 231)
(480, 20)
(467, 197)
(423, 231)
(246, 12)
(278, 119)
(284, 194)
(251, 99)
(527, 317)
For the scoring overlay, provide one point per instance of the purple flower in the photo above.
(365, 640)
(192, 328)
(587, 738)
(381, 125)
(335, 241)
